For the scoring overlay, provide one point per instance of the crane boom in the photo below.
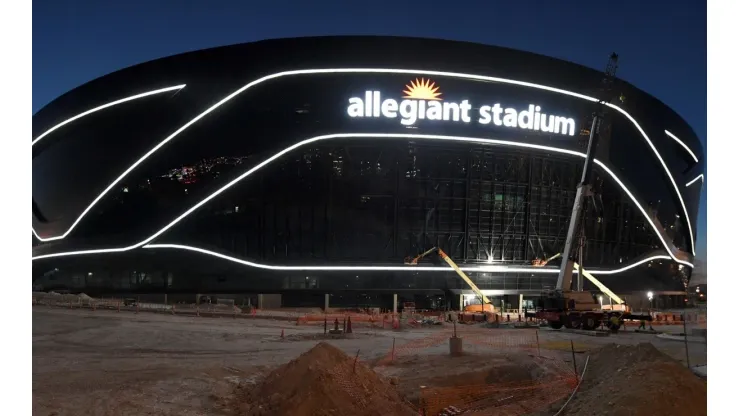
(584, 185)
(414, 261)
(464, 276)
(543, 263)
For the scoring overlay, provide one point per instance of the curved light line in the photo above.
(635, 264)
(303, 72)
(665, 168)
(482, 269)
(672, 136)
(77, 117)
(373, 136)
(103, 107)
(691, 182)
(346, 268)
(385, 71)
(642, 210)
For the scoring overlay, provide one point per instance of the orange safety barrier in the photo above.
(411, 347)
(345, 377)
(516, 398)
(660, 319)
(356, 318)
(490, 340)
(502, 338)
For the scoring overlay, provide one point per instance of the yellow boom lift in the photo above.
(485, 306)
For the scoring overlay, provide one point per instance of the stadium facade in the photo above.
(314, 166)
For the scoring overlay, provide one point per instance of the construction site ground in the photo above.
(105, 362)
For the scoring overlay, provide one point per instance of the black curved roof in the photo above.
(227, 68)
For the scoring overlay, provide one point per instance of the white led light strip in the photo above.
(691, 182)
(389, 71)
(79, 116)
(665, 168)
(404, 136)
(672, 136)
(103, 107)
(502, 269)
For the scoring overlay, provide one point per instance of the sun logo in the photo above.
(422, 89)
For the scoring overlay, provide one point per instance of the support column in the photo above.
(326, 302)
(462, 302)
(521, 302)
(260, 301)
(395, 303)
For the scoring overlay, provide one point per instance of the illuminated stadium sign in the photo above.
(422, 100)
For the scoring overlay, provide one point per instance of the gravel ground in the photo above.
(108, 363)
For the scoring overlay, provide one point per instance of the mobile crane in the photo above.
(576, 308)
(485, 306)
(580, 309)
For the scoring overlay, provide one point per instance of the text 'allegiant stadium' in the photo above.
(422, 102)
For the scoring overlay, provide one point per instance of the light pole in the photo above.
(650, 299)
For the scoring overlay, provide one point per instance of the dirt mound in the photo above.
(322, 381)
(638, 380)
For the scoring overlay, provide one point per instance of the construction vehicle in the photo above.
(581, 310)
(577, 308)
(543, 263)
(484, 307)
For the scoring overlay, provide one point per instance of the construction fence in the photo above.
(546, 380)
(692, 317)
(226, 307)
(82, 301)
(474, 340)
(480, 393)
(211, 310)
(695, 338)
(514, 398)
(473, 396)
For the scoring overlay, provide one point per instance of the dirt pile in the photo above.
(322, 381)
(638, 380)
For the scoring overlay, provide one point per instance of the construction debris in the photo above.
(638, 380)
(322, 381)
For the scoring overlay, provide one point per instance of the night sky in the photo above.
(661, 43)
